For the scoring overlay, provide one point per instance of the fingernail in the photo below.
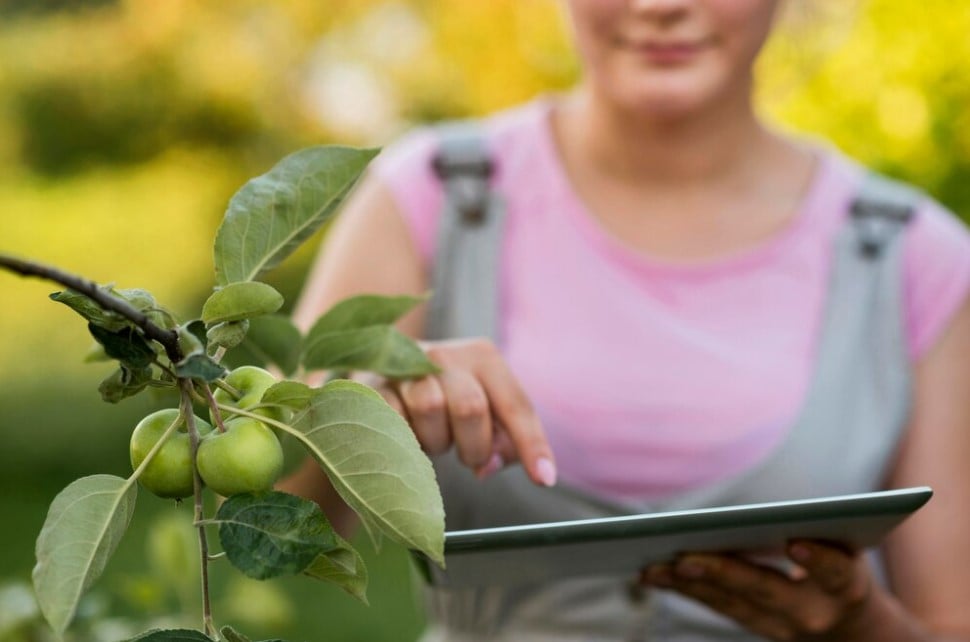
(546, 471)
(800, 553)
(494, 463)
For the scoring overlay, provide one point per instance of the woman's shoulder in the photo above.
(406, 169)
(503, 132)
(936, 244)
(936, 264)
(933, 226)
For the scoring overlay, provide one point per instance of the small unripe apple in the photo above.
(247, 458)
(170, 473)
(251, 382)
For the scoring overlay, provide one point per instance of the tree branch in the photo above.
(90, 289)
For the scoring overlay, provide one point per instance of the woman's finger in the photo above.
(833, 569)
(834, 587)
(514, 411)
(393, 400)
(722, 600)
(425, 404)
(469, 416)
(768, 588)
(509, 404)
(384, 389)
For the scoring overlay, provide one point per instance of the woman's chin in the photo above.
(666, 106)
(665, 100)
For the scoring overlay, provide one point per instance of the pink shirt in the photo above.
(653, 377)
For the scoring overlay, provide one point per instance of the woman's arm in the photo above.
(929, 555)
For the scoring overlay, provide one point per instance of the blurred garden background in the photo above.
(125, 126)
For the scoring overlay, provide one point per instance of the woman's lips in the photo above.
(668, 53)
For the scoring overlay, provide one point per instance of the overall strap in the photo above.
(881, 208)
(465, 277)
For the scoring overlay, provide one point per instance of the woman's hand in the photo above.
(476, 405)
(825, 597)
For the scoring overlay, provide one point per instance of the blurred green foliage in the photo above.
(125, 125)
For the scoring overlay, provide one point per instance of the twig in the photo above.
(90, 289)
(216, 413)
(193, 430)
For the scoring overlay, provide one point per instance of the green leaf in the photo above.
(199, 366)
(365, 310)
(144, 301)
(375, 463)
(270, 534)
(124, 382)
(126, 345)
(195, 328)
(290, 394)
(83, 527)
(231, 635)
(90, 310)
(342, 566)
(356, 334)
(238, 301)
(272, 339)
(172, 635)
(141, 300)
(380, 348)
(188, 342)
(96, 354)
(227, 335)
(274, 213)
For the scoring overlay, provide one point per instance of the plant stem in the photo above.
(208, 627)
(165, 369)
(235, 394)
(216, 413)
(90, 289)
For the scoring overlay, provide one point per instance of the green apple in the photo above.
(170, 472)
(247, 458)
(251, 382)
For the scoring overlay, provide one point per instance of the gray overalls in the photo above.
(842, 442)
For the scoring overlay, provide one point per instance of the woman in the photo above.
(668, 337)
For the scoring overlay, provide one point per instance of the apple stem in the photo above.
(186, 385)
(236, 395)
(216, 413)
(164, 368)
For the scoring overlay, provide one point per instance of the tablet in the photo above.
(622, 545)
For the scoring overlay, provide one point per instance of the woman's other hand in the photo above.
(829, 595)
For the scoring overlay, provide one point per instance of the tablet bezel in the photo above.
(868, 516)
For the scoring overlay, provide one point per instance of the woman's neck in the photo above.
(702, 185)
(721, 143)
